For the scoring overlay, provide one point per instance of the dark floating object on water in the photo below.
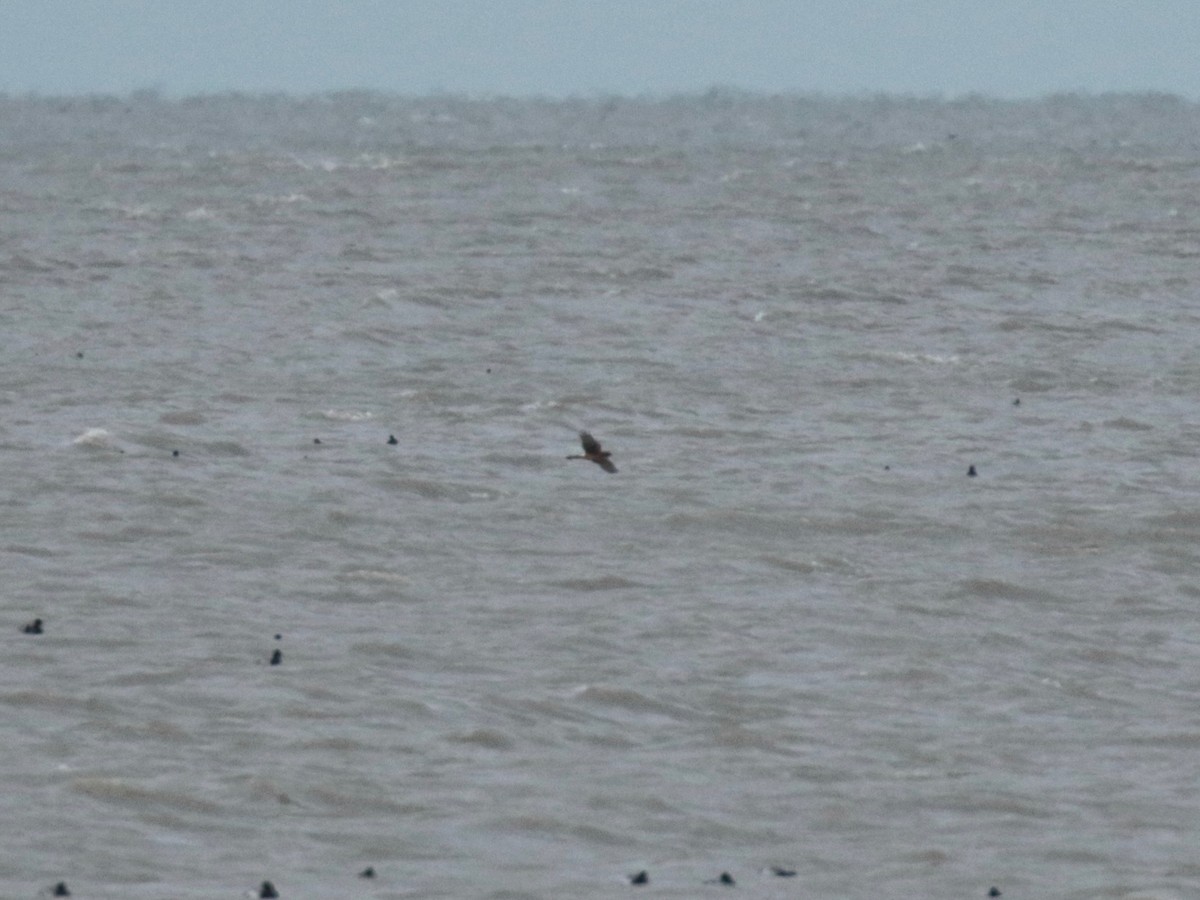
(783, 873)
(971, 473)
(392, 439)
(279, 637)
(60, 889)
(724, 878)
(316, 440)
(593, 452)
(174, 452)
(267, 890)
(34, 627)
(1016, 402)
(994, 892)
(368, 872)
(276, 657)
(642, 877)
(78, 355)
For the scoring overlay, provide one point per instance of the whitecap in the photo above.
(94, 437)
(537, 405)
(933, 358)
(379, 161)
(347, 415)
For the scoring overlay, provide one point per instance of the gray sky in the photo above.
(1004, 48)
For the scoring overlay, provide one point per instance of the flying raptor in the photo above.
(592, 451)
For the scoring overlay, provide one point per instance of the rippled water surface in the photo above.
(790, 632)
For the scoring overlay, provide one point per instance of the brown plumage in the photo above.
(592, 451)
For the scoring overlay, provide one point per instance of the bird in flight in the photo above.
(592, 451)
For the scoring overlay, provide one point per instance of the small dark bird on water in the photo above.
(276, 657)
(592, 451)
(971, 473)
(392, 440)
(34, 627)
(642, 877)
(368, 872)
(268, 890)
(60, 890)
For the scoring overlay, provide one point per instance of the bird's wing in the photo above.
(590, 444)
(606, 465)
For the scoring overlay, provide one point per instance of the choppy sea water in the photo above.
(790, 632)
